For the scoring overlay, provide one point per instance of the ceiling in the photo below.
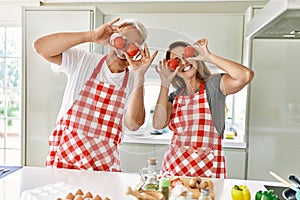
(167, 6)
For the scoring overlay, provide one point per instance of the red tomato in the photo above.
(119, 42)
(189, 51)
(176, 181)
(172, 64)
(132, 50)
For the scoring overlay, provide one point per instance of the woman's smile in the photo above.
(187, 68)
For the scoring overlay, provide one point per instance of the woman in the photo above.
(195, 112)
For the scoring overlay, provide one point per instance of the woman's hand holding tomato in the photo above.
(189, 51)
(172, 64)
(203, 53)
(166, 75)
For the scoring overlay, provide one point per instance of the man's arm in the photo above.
(50, 47)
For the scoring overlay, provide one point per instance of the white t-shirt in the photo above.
(79, 65)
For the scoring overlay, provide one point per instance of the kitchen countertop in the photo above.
(143, 137)
(106, 184)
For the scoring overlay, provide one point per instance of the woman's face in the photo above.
(187, 70)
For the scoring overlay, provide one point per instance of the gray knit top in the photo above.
(216, 101)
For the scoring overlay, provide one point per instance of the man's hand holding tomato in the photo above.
(102, 34)
(141, 65)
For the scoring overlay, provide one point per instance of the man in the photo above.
(101, 94)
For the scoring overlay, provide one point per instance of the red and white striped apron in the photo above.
(196, 146)
(88, 135)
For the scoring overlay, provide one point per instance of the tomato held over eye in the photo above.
(119, 42)
(132, 50)
(172, 64)
(189, 51)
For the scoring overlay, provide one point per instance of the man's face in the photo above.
(129, 40)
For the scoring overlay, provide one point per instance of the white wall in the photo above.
(223, 31)
(11, 11)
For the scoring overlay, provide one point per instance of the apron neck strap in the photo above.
(97, 69)
(201, 89)
(125, 78)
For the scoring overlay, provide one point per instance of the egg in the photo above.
(88, 195)
(97, 197)
(70, 196)
(78, 197)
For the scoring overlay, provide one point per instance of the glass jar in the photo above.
(151, 182)
(204, 195)
(164, 187)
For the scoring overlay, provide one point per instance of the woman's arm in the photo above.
(163, 109)
(236, 77)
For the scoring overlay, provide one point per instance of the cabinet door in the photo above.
(134, 157)
(160, 150)
(43, 89)
(235, 160)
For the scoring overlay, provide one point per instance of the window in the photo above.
(10, 95)
(235, 113)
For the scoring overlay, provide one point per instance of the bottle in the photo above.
(150, 120)
(151, 182)
(164, 187)
(150, 124)
(204, 195)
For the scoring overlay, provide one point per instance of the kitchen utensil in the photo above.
(4, 170)
(1, 169)
(289, 194)
(295, 180)
(139, 186)
(288, 184)
(145, 194)
(278, 190)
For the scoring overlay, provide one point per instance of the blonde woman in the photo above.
(195, 111)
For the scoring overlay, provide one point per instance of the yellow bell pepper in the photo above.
(240, 192)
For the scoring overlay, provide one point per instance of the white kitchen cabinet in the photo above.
(235, 160)
(134, 156)
(43, 89)
(159, 153)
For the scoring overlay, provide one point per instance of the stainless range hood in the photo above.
(278, 19)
